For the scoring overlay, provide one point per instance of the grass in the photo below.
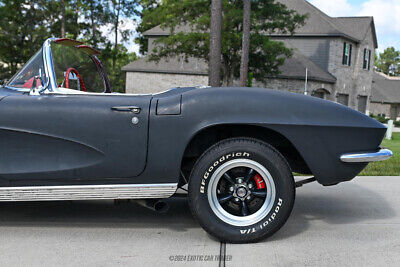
(389, 167)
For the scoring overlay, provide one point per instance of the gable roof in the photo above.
(318, 24)
(359, 27)
(385, 90)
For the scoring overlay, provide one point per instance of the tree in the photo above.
(189, 24)
(389, 62)
(215, 43)
(123, 57)
(23, 30)
(26, 24)
(62, 19)
(147, 7)
(244, 64)
(120, 10)
(96, 15)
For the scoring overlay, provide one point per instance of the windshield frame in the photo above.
(51, 84)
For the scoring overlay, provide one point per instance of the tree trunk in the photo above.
(62, 19)
(228, 76)
(76, 33)
(93, 24)
(215, 43)
(244, 64)
(116, 25)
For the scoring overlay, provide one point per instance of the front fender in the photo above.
(320, 130)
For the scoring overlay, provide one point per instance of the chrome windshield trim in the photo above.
(48, 65)
(382, 154)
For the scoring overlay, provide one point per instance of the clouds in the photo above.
(125, 24)
(385, 13)
(336, 8)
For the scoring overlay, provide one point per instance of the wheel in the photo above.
(241, 190)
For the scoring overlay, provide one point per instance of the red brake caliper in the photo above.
(259, 181)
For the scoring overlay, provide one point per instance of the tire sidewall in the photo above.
(250, 150)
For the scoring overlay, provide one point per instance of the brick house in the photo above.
(385, 96)
(336, 53)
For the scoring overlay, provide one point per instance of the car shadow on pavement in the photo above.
(101, 214)
(344, 204)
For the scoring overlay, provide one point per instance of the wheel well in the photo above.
(210, 136)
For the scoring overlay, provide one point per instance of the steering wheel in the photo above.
(82, 84)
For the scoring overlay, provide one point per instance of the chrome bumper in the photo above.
(382, 154)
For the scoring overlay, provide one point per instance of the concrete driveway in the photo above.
(352, 224)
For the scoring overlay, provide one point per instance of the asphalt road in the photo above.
(352, 224)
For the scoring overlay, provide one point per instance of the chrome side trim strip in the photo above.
(382, 154)
(87, 192)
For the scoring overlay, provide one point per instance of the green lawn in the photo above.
(389, 167)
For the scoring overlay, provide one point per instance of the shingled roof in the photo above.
(293, 68)
(385, 89)
(318, 24)
(173, 65)
(358, 27)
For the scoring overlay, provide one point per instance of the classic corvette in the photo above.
(65, 136)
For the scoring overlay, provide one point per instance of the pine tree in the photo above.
(194, 17)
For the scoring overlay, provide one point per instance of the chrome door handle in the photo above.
(132, 109)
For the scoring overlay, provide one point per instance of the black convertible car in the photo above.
(65, 136)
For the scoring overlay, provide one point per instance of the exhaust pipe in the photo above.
(154, 205)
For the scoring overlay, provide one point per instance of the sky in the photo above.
(386, 14)
(124, 25)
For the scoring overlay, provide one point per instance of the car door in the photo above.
(82, 137)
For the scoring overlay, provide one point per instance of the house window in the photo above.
(362, 103)
(347, 54)
(367, 59)
(320, 93)
(343, 99)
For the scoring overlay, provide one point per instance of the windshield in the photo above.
(76, 69)
(32, 75)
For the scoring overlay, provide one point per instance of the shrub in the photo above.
(381, 119)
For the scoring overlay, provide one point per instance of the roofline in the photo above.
(384, 102)
(310, 78)
(157, 35)
(372, 25)
(324, 16)
(387, 77)
(286, 35)
(318, 35)
(353, 17)
(128, 69)
(374, 33)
